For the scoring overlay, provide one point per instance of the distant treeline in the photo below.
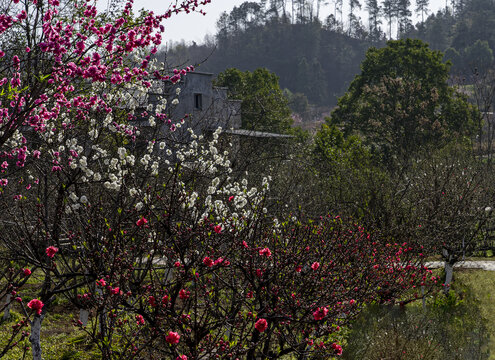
(318, 54)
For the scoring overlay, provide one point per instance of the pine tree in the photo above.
(403, 16)
(353, 5)
(388, 8)
(422, 8)
(374, 10)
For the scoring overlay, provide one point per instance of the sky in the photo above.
(194, 27)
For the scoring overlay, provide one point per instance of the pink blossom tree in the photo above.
(71, 81)
(167, 254)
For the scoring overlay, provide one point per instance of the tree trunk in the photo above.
(35, 337)
(449, 272)
(6, 311)
(83, 316)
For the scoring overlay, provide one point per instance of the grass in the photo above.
(60, 340)
(482, 285)
(63, 341)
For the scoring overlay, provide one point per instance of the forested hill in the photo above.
(309, 57)
(319, 58)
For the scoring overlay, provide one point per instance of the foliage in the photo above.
(448, 327)
(401, 102)
(264, 106)
(142, 225)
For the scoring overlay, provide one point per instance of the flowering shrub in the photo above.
(175, 256)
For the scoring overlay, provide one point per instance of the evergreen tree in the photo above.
(374, 20)
(388, 9)
(422, 8)
(403, 17)
(353, 19)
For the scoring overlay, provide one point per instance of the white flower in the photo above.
(73, 196)
(139, 206)
(177, 91)
(83, 199)
(175, 101)
(122, 152)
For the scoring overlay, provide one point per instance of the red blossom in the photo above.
(184, 294)
(207, 261)
(36, 305)
(261, 325)
(315, 265)
(266, 252)
(320, 313)
(142, 221)
(26, 272)
(139, 319)
(218, 229)
(172, 338)
(337, 348)
(51, 251)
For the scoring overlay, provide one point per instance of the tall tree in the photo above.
(403, 17)
(401, 102)
(264, 106)
(354, 5)
(389, 11)
(422, 8)
(374, 20)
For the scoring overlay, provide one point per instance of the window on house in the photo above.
(198, 101)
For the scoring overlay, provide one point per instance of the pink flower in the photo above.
(218, 229)
(26, 272)
(172, 338)
(352, 302)
(51, 251)
(298, 268)
(207, 261)
(101, 282)
(36, 305)
(315, 265)
(139, 320)
(261, 325)
(184, 294)
(337, 348)
(115, 290)
(320, 313)
(181, 357)
(265, 252)
(141, 221)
